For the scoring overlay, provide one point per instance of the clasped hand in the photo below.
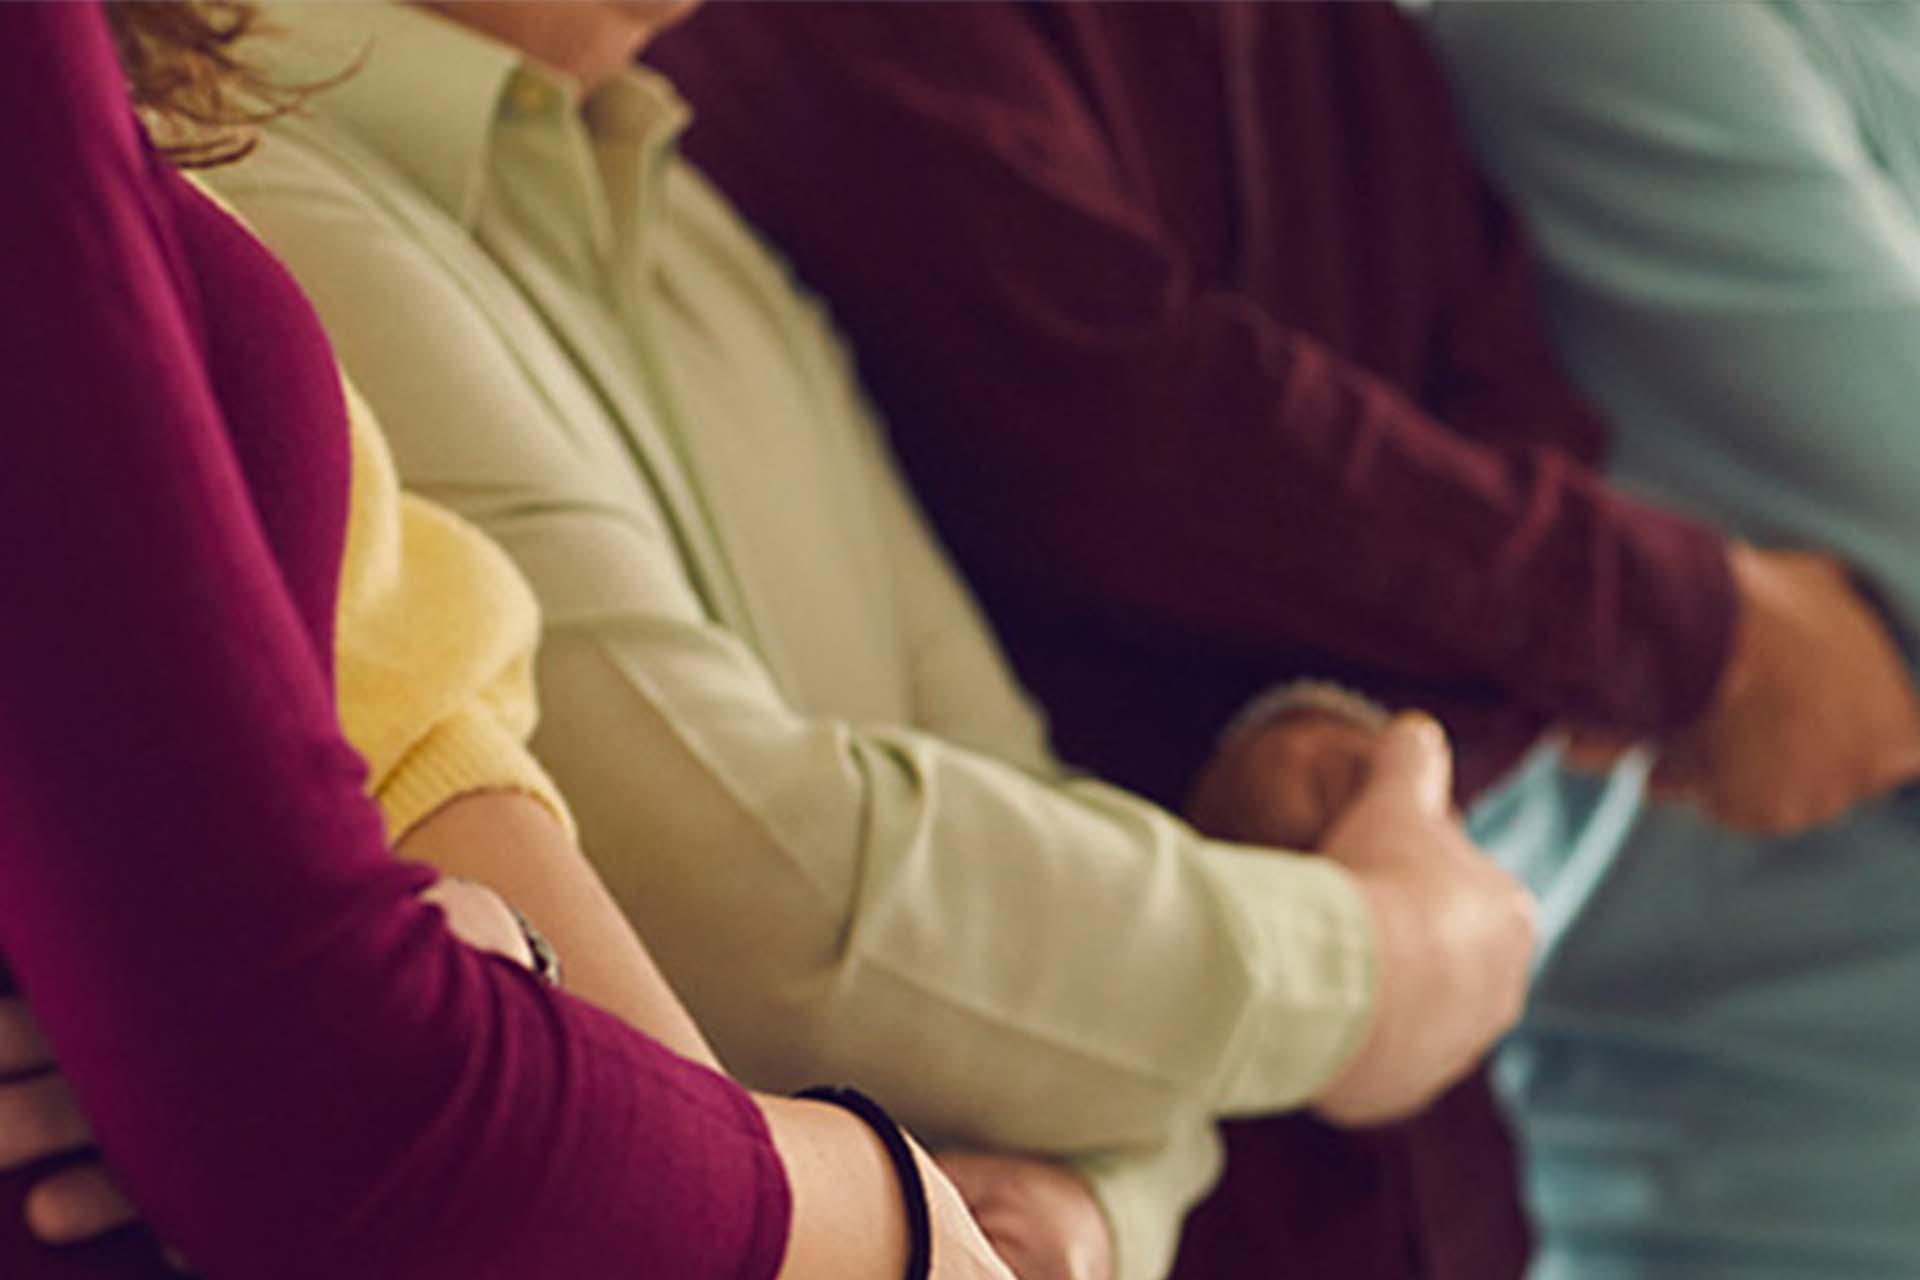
(1454, 934)
(1039, 1216)
(41, 1119)
(1814, 713)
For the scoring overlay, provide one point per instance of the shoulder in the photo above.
(307, 163)
(1720, 64)
(457, 362)
(309, 186)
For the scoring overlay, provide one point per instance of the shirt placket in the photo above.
(640, 217)
(591, 209)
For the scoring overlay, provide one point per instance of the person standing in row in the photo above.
(1721, 1071)
(766, 695)
(1218, 365)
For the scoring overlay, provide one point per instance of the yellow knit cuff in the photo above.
(468, 753)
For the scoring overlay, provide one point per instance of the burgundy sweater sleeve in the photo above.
(289, 1061)
(1106, 436)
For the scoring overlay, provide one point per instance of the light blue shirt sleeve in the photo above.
(1716, 1076)
(1732, 261)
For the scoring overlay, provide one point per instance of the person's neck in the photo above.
(588, 43)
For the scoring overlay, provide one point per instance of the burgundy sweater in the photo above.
(291, 1064)
(1217, 364)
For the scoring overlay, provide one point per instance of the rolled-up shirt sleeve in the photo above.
(1009, 958)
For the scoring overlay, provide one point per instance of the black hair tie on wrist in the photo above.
(913, 1189)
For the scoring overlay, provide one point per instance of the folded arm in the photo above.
(195, 895)
(885, 870)
(1152, 454)
(1732, 268)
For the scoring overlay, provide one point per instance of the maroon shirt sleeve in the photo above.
(1110, 434)
(292, 1065)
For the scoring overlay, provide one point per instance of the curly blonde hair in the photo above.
(200, 97)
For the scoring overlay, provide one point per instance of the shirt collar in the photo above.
(428, 93)
(425, 94)
(635, 121)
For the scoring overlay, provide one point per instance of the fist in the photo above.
(1815, 712)
(1284, 783)
(1455, 932)
(1040, 1217)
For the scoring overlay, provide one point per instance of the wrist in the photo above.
(1752, 588)
(848, 1221)
(905, 1162)
(1354, 1093)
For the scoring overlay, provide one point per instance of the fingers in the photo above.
(1413, 758)
(39, 1118)
(77, 1204)
(22, 1048)
(1681, 775)
(480, 918)
(1815, 711)
(1772, 807)
(973, 1175)
(1006, 1233)
(962, 1248)
(1040, 1217)
(1899, 769)
(1283, 784)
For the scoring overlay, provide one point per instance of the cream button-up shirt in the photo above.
(793, 747)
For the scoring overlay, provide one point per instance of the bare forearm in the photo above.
(514, 846)
(848, 1219)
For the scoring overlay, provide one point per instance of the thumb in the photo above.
(1902, 771)
(1412, 762)
(973, 1174)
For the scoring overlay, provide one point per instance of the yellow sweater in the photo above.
(433, 649)
(434, 635)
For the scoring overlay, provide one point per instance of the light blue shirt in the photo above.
(1721, 1072)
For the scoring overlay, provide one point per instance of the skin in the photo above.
(39, 1116)
(513, 845)
(1454, 932)
(590, 43)
(837, 1169)
(1285, 783)
(1037, 1214)
(1810, 656)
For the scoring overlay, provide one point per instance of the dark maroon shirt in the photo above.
(1217, 364)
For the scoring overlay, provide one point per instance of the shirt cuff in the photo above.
(1311, 945)
(1636, 637)
(1146, 1194)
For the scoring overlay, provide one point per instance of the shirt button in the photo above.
(529, 98)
